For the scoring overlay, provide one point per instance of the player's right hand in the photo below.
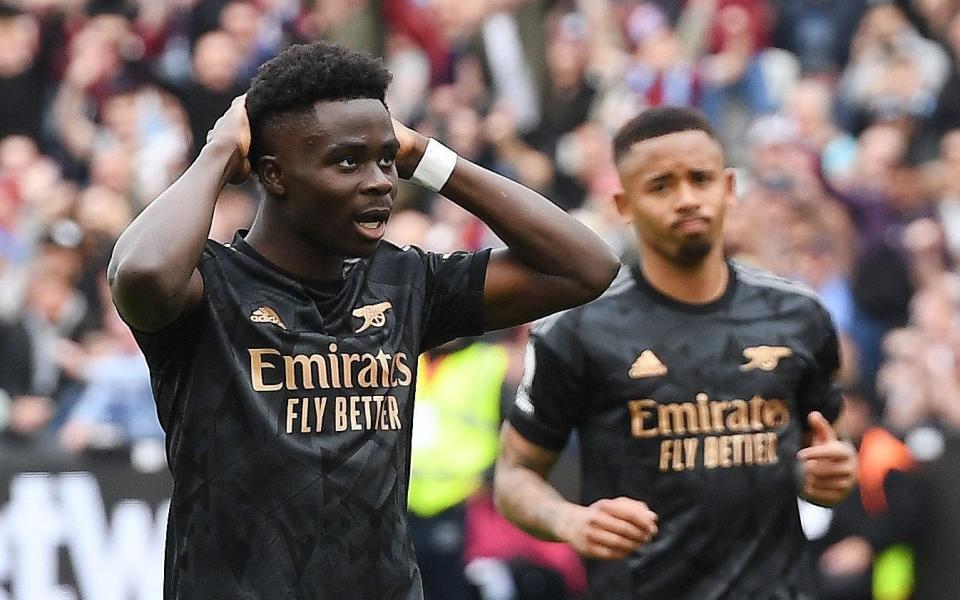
(610, 528)
(233, 127)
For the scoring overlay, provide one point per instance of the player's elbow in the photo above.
(596, 275)
(135, 283)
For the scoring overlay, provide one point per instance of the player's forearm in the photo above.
(159, 251)
(528, 501)
(537, 232)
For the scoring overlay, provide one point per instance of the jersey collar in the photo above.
(672, 302)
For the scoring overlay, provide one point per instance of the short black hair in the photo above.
(302, 74)
(657, 121)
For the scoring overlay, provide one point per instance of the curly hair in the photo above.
(303, 74)
(654, 122)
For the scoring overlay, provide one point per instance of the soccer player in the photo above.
(701, 391)
(283, 363)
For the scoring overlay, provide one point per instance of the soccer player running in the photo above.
(702, 392)
(283, 364)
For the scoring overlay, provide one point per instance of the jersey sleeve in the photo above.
(819, 390)
(170, 344)
(551, 395)
(454, 296)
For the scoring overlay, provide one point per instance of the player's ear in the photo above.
(271, 175)
(623, 205)
(730, 183)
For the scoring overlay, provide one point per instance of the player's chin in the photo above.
(362, 248)
(694, 250)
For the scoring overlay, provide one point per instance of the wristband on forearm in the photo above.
(435, 166)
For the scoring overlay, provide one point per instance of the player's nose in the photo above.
(686, 198)
(377, 182)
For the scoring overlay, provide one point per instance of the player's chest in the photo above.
(686, 359)
(296, 320)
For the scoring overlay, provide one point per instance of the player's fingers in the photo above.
(633, 511)
(827, 469)
(822, 429)
(605, 553)
(602, 538)
(836, 485)
(621, 527)
(833, 450)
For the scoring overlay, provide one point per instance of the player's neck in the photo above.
(698, 284)
(293, 254)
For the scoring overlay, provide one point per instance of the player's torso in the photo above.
(696, 393)
(301, 434)
(695, 412)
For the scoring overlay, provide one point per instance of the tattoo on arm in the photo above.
(523, 494)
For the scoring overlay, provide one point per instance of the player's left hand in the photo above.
(828, 465)
(412, 147)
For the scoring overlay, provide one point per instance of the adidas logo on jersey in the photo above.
(265, 314)
(372, 315)
(647, 365)
(765, 358)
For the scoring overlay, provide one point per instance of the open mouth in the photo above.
(372, 223)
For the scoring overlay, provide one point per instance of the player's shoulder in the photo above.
(391, 263)
(604, 308)
(755, 277)
(755, 280)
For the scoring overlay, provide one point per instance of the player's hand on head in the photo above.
(828, 465)
(233, 127)
(412, 146)
(610, 528)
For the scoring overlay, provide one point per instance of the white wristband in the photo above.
(435, 166)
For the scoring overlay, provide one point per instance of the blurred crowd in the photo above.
(842, 119)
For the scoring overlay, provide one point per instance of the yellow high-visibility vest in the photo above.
(456, 423)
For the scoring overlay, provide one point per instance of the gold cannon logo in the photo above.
(265, 314)
(372, 315)
(765, 358)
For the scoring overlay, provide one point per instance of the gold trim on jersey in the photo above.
(765, 358)
(647, 365)
(372, 315)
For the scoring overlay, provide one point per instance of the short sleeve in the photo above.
(819, 390)
(553, 390)
(172, 343)
(454, 296)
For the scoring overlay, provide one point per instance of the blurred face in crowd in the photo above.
(675, 192)
(331, 175)
(809, 106)
(568, 52)
(103, 213)
(19, 38)
(241, 20)
(881, 148)
(216, 61)
(121, 116)
(882, 23)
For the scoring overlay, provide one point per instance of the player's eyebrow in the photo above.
(358, 146)
(658, 178)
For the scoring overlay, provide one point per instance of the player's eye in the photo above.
(348, 162)
(387, 161)
(702, 177)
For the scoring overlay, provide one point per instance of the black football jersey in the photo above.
(287, 407)
(698, 410)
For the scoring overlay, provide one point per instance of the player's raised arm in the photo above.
(551, 262)
(608, 529)
(152, 272)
